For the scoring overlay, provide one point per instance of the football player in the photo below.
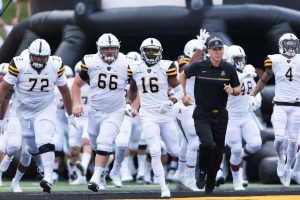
(35, 77)
(151, 79)
(106, 72)
(286, 112)
(241, 124)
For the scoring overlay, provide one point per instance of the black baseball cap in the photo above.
(214, 43)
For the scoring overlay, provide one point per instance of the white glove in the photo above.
(128, 110)
(202, 37)
(1, 127)
(72, 122)
(166, 107)
(254, 103)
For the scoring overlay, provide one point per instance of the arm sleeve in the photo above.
(172, 70)
(62, 79)
(84, 71)
(182, 60)
(268, 64)
(129, 72)
(12, 76)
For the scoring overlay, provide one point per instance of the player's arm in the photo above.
(197, 56)
(174, 83)
(66, 96)
(79, 81)
(6, 92)
(7, 84)
(266, 76)
(133, 91)
(5, 103)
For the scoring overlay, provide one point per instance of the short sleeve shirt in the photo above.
(209, 83)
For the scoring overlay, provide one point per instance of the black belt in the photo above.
(217, 110)
(287, 104)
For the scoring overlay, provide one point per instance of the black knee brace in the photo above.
(46, 148)
(142, 146)
(103, 153)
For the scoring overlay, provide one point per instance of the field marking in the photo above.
(270, 197)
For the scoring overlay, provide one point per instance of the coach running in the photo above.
(215, 80)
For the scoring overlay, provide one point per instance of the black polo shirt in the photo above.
(209, 83)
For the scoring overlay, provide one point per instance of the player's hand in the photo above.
(128, 110)
(1, 127)
(253, 103)
(202, 37)
(186, 100)
(77, 110)
(166, 107)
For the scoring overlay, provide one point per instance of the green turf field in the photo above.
(33, 186)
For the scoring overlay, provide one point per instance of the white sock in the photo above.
(48, 162)
(235, 177)
(158, 170)
(85, 161)
(190, 172)
(97, 174)
(141, 164)
(18, 176)
(181, 167)
(119, 157)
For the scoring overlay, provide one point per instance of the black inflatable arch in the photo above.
(255, 27)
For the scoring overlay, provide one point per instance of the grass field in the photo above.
(62, 186)
(10, 13)
(63, 191)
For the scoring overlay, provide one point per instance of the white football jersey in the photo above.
(152, 83)
(61, 112)
(35, 91)
(107, 82)
(287, 77)
(240, 104)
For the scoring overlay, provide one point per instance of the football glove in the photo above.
(254, 103)
(128, 110)
(166, 107)
(202, 37)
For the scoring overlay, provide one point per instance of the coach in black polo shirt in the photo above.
(215, 80)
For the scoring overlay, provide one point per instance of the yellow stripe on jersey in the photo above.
(84, 67)
(172, 70)
(183, 61)
(61, 71)
(129, 72)
(268, 63)
(13, 71)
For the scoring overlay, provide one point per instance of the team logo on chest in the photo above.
(108, 68)
(222, 73)
(149, 70)
(288, 61)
